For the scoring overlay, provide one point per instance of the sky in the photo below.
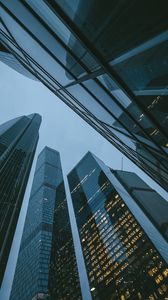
(62, 130)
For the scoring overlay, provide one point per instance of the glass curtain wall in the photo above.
(109, 65)
(18, 142)
(117, 239)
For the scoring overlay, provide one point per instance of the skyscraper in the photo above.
(46, 266)
(109, 64)
(18, 141)
(64, 278)
(126, 256)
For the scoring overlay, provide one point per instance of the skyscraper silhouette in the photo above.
(18, 141)
(46, 266)
(124, 247)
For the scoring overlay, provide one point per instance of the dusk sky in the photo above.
(62, 130)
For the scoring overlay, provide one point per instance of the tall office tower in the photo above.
(109, 64)
(126, 257)
(40, 237)
(64, 278)
(18, 141)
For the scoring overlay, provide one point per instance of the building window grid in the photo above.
(133, 239)
(66, 47)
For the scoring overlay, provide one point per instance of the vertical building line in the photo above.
(85, 289)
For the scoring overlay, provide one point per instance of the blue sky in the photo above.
(62, 130)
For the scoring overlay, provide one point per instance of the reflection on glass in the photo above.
(75, 55)
(120, 259)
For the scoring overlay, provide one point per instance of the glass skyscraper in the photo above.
(126, 255)
(108, 63)
(46, 266)
(64, 278)
(18, 141)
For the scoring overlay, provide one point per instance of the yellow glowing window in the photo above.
(151, 297)
(158, 279)
(165, 272)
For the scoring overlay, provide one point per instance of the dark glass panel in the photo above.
(117, 26)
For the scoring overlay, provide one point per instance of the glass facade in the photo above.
(108, 64)
(7, 58)
(64, 278)
(125, 255)
(32, 274)
(154, 206)
(18, 141)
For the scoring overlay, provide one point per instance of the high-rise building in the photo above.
(18, 141)
(46, 266)
(109, 64)
(64, 278)
(126, 256)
